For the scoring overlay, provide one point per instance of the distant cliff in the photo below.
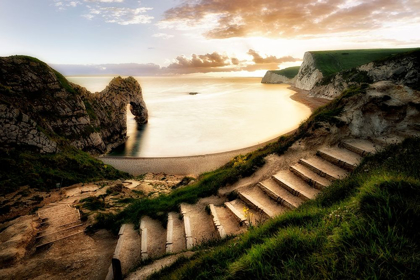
(286, 76)
(40, 109)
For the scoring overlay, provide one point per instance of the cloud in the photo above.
(163, 35)
(111, 11)
(216, 62)
(290, 18)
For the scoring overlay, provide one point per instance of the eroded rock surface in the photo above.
(272, 78)
(39, 108)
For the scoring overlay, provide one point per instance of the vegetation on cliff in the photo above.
(289, 72)
(332, 62)
(361, 227)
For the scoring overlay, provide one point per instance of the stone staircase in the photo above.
(58, 221)
(282, 192)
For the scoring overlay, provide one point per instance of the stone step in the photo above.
(340, 157)
(324, 168)
(198, 224)
(388, 140)
(360, 146)
(258, 200)
(59, 226)
(216, 222)
(228, 221)
(280, 194)
(48, 242)
(54, 230)
(239, 216)
(295, 185)
(153, 238)
(309, 176)
(59, 235)
(175, 235)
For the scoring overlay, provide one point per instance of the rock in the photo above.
(308, 75)
(35, 100)
(272, 78)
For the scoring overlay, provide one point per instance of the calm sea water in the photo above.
(226, 114)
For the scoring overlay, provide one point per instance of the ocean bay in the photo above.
(226, 114)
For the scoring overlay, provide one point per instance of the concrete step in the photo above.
(55, 230)
(295, 185)
(228, 221)
(309, 176)
(324, 168)
(153, 238)
(127, 252)
(340, 157)
(258, 200)
(216, 222)
(245, 215)
(280, 194)
(360, 146)
(388, 140)
(175, 234)
(199, 223)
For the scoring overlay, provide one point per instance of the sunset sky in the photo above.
(154, 37)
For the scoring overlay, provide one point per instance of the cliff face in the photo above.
(403, 69)
(308, 74)
(273, 78)
(39, 109)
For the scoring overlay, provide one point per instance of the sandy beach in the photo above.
(196, 165)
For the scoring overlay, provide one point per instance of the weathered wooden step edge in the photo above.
(189, 241)
(238, 215)
(334, 159)
(216, 222)
(361, 147)
(143, 240)
(293, 189)
(313, 164)
(169, 234)
(309, 176)
(255, 204)
(278, 198)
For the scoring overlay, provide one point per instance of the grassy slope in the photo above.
(331, 62)
(363, 227)
(289, 72)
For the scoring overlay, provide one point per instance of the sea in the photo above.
(205, 115)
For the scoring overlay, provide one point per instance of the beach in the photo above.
(196, 165)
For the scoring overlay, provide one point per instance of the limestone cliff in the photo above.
(308, 75)
(403, 69)
(272, 78)
(40, 109)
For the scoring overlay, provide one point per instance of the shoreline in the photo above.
(198, 164)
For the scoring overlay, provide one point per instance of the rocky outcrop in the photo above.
(272, 78)
(308, 75)
(40, 109)
(402, 69)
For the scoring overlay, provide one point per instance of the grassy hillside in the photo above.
(331, 62)
(363, 227)
(290, 72)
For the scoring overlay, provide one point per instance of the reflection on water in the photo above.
(226, 114)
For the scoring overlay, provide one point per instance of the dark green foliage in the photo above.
(89, 110)
(332, 62)
(289, 72)
(64, 83)
(93, 203)
(44, 171)
(363, 227)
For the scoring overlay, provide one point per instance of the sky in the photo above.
(166, 37)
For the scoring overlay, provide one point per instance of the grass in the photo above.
(332, 62)
(44, 171)
(289, 72)
(363, 227)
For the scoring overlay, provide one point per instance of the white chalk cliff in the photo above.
(308, 75)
